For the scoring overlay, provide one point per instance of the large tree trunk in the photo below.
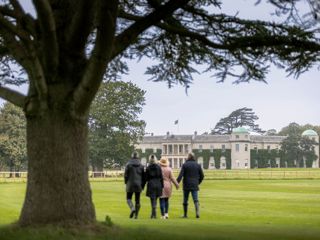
(58, 189)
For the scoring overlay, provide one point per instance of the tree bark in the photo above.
(58, 189)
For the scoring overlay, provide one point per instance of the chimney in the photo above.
(151, 134)
(195, 133)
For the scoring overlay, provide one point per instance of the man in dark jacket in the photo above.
(134, 178)
(192, 175)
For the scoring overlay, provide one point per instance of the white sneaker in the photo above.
(166, 216)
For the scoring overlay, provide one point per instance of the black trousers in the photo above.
(136, 195)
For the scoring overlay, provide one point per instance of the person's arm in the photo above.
(126, 174)
(173, 179)
(201, 175)
(143, 177)
(161, 177)
(180, 174)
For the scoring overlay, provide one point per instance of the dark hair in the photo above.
(152, 156)
(191, 156)
(135, 155)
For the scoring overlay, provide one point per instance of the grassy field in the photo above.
(230, 209)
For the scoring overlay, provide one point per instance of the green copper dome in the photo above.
(240, 130)
(309, 132)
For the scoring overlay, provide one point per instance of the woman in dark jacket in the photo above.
(155, 183)
(134, 180)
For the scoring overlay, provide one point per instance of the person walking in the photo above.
(155, 184)
(192, 175)
(134, 177)
(168, 179)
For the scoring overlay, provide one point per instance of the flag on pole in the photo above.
(176, 122)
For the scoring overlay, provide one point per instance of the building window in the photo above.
(256, 149)
(246, 163)
(268, 148)
(170, 162)
(211, 148)
(175, 149)
(165, 149)
(246, 147)
(237, 147)
(186, 148)
(170, 149)
(180, 149)
(200, 148)
(237, 136)
(223, 147)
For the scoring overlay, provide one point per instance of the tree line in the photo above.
(114, 128)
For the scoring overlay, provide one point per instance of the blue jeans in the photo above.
(194, 195)
(164, 205)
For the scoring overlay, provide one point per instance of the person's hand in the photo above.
(177, 187)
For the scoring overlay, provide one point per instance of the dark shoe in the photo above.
(132, 213)
(185, 211)
(197, 207)
(153, 213)
(130, 204)
(136, 213)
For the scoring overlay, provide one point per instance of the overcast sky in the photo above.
(281, 101)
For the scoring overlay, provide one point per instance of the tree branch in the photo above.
(49, 37)
(13, 96)
(24, 20)
(128, 36)
(15, 49)
(4, 51)
(81, 25)
(13, 29)
(89, 84)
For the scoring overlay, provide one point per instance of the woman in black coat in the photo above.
(155, 183)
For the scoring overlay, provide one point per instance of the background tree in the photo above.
(271, 132)
(296, 129)
(298, 151)
(65, 49)
(12, 138)
(114, 124)
(242, 117)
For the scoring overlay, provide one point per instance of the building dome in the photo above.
(309, 132)
(240, 130)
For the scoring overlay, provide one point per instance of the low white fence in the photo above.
(22, 176)
(209, 174)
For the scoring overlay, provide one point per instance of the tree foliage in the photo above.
(114, 124)
(12, 138)
(299, 149)
(238, 118)
(296, 129)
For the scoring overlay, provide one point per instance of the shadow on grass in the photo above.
(97, 232)
(107, 231)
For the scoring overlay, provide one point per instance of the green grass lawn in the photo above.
(230, 209)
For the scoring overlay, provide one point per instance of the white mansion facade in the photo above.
(233, 151)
